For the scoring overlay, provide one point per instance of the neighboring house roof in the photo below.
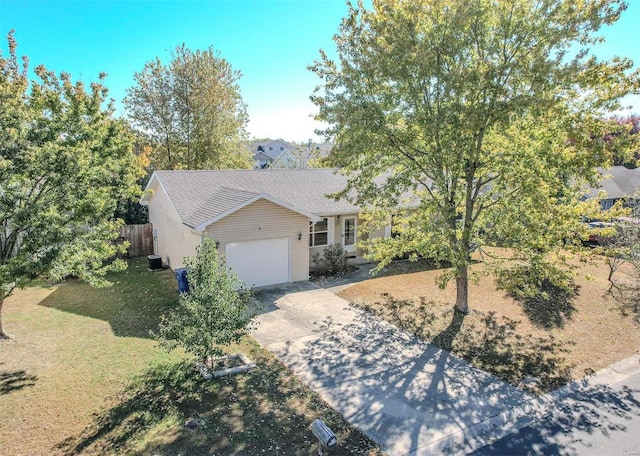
(323, 149)
(618, 182)
(262, 156)
(202, 197)
(277, 147)
(286, 155)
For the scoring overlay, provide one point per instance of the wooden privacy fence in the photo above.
(140, 239)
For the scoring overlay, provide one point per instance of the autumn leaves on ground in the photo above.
(81, 375)
(538, 344)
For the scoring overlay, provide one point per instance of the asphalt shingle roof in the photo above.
(618, 182)
(199, 196)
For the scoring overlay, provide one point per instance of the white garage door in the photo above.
(260, 263)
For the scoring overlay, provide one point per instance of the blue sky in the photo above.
(270, 41)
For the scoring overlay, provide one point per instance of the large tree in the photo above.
(481, 116)
(65, 162)
(192, 111)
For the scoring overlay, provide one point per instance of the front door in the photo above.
(349, 234)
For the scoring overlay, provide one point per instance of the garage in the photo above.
(260, 263)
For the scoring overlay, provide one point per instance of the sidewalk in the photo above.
(599, 414)
(534, 410)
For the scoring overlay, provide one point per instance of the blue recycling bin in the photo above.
(183, 283)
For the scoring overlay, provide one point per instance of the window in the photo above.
(270, 147)
(281, 147)
(318, 233)
(606, 204)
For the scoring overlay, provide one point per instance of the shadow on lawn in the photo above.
(628, 299)
(11, 381)
(249, 413)
(487, 341)
(149, 399)
(132, 305)
(551, 307)
(546, 293)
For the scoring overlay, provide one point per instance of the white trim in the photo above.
(351, 247)
(147, 187)
(328, 231)
(148, 193)
(252, 200)
(143, 201)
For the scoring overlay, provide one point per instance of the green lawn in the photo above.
(82, 376)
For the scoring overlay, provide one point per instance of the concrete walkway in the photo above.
(408, 396)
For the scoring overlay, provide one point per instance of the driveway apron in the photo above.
(407, 395)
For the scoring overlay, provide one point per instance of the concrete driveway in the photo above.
(408, 396)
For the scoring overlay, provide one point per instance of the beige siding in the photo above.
(174, 240)
(338, 236)
(266, 220)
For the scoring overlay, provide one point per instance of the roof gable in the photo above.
(272, 148)
(205, 223)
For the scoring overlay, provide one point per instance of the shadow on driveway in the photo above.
(402, 392)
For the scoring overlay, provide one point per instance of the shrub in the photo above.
(333, 260)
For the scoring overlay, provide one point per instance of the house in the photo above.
(267, 225)
(618, 183)
(275, 153)
(279, 154)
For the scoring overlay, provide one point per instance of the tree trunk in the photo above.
(3, 334)
(462, 290)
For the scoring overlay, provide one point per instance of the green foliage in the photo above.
(537, 277)
(545, 289)
(333, 260)
(622, 138)
(65, 162)
(191, 110)
(212, 314)
(130, 210)
(474, 116)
